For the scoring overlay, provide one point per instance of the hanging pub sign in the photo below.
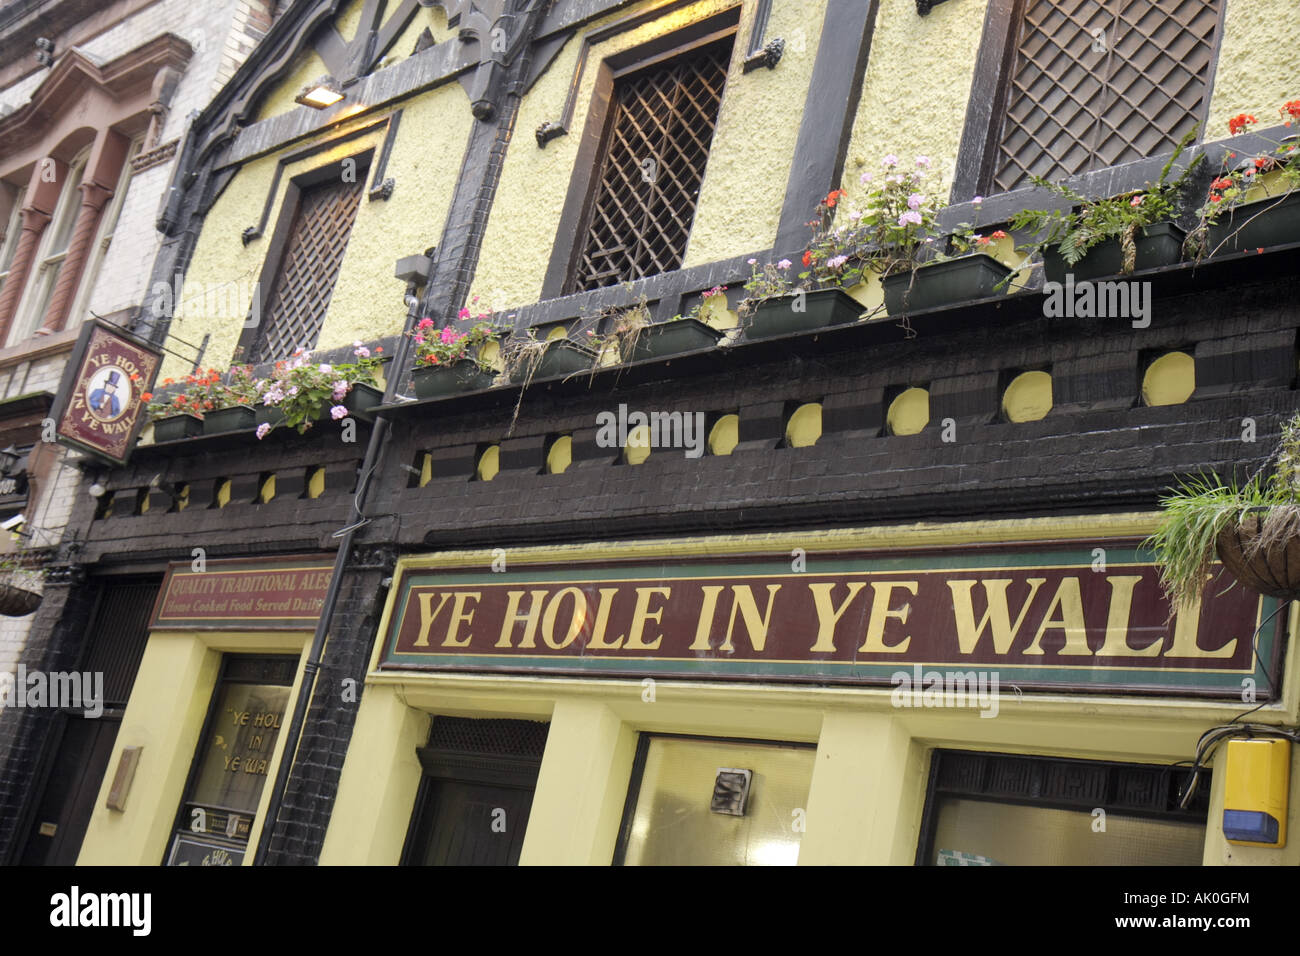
(1046, 619)
(99, 407)
(252, 594)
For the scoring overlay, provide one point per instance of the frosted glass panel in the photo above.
(673, 825)
(1039, 836)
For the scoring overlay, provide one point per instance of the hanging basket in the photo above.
(1273, 571)
(16, 601)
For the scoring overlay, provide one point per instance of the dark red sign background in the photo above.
(106, 434)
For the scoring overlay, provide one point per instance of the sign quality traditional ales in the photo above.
(100, 404)
(1037, 618)
(237, 594)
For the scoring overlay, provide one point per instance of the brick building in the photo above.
(488, 633)
(93, 105)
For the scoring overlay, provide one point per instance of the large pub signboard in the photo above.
(1047, 618)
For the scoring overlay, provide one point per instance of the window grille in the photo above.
(309, 267)
(656, 149)
(1099, 83)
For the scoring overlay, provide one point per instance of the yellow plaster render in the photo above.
(916, 88)
(1256, 72)
(748, 166)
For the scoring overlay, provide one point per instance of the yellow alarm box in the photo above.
(1258, 776)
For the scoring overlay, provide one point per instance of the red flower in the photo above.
(146, 396)
(1221, 183)
(379, 349)
(1240, 122)
(998, 235)
(833, 197)
(1262, 161)
(1216, 198)
(1293, 108)
(807, 258)
(1260, 251)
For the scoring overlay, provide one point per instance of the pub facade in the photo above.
(867, 591)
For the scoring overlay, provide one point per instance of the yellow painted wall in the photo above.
(916, 88)
(367, 299)
(740, 200)
(169, 702)
(1257, 71)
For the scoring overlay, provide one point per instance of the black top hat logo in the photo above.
(112, 379)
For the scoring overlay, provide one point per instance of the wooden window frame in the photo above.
(251, 338)
(579, 204)
(986, 108)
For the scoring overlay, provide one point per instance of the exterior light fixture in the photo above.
(322, 93)
(44, 51)
(731, 791)
(96, 490)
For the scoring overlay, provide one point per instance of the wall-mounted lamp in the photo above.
(44, 51)
(731, 791)
(320, 94)
(96, 490)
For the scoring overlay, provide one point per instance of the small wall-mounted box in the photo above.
(1258, 776)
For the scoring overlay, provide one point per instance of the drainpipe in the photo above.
(415, 270)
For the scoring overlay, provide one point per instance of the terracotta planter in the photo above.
(439, 381)
(823, 308)
(936, 284)
(1274, 572)
(668, 338)
(233, 419)
(176, 427)
(1159, 244)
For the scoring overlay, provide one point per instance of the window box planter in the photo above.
(668, 338)
(937, 284)
(561, 357)
(233, 419)
(439, 381)
(176, 427)
(823, 308)
(15, 600)
(1273, 571)
(1266, 222)
(1159, 244)
(359, 400)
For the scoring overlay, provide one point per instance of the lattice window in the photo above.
(657, 147)
(1098, 83)
(308, 268)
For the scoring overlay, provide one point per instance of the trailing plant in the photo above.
(1090, 222)
(201, 392)
(1242, 179)
(299, 388)
(1204, 506)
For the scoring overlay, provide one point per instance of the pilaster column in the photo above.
(48, 176)
(103, 168)
(93, 197)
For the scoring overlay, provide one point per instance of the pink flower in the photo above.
(337, 412)
(362, 352)
(326, 369)
(889, 161)
(911, 217)
(923, 162)
(425, 323)
(463, 314)
(784, 264)
(262, 430)
(864, 178)
(340, 389)
(977, 200)
(1136, 201)
(419, 339)
(914, 201)
(837, 261)
(752, 262)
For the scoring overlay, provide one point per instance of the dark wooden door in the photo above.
(472, 824)
(70, 792)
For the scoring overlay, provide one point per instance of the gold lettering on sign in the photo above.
(529, 618)
(996, 614)
(881, 612)
(597, 642)
(1121, 605)
(742, 599)
(427, 616)
(828, 615)
(640, 615)
(576, 620)
(1070, 601)
(705, 626)
(1186, 634)
(458, 616)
